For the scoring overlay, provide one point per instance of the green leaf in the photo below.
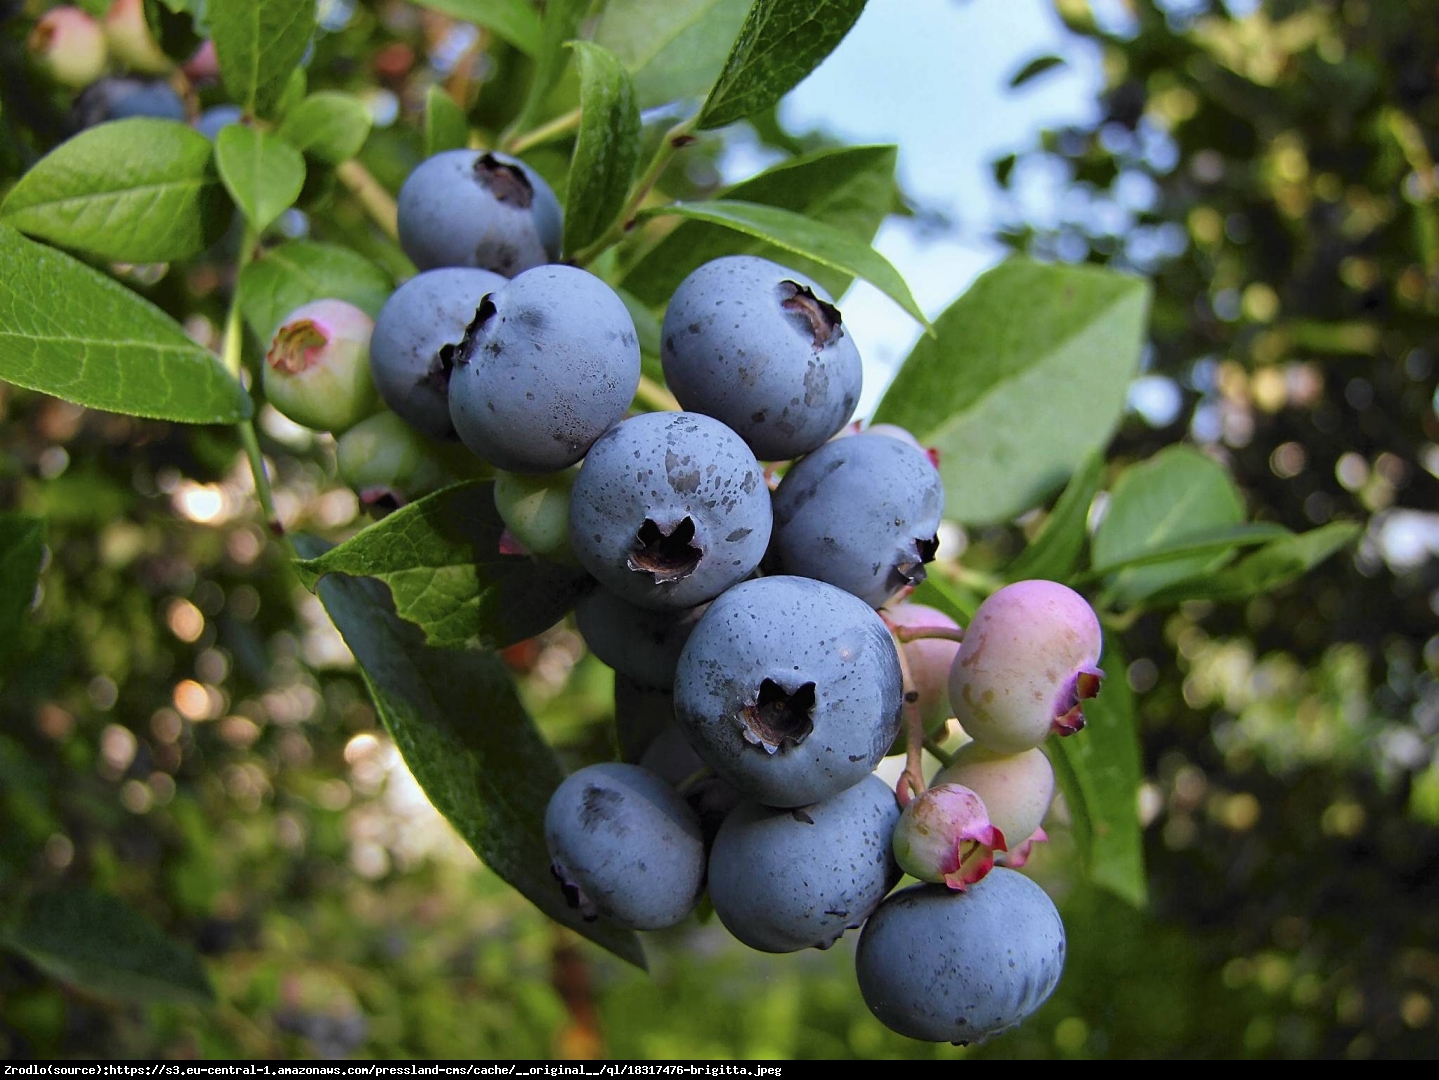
(816, 240)
(172, 24)
(138, 190)
(22, 544)
(780, 43)
(462, 731)
(1056, 550)
(328, 125)
(72, 332)
(259, 42)
(672, 48)
(850, 188)
(445, 125)
(262, 172)
(1275, 564)
(938, 592)
(606, 149)
(1034, 69)
(514, 20)
(296, 273)
(1177, 495)
(98, 943)
(1027, 372)
(1099, 770)
(440, 558)
(1211, 543)
(561, 23)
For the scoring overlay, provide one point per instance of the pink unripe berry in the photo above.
(204, 66)
(945, 835)
(1016, 788)
(929, 659)
(68, 46)
(130, 39)
(1020, 854)
(317, 370)
(1030, 656)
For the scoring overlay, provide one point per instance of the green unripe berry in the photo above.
(389, 464)
(131, 42)
(536, 510)
(317, 370)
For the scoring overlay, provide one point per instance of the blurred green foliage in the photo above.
(183, 728)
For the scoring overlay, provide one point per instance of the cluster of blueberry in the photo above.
(758, 629)
(75, 50)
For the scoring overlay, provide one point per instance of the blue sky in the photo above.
(932, 76)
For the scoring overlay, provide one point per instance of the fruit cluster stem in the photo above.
(911, 781)
(656, 396)
(553, 129)
(677, 137)
(376, 201)
(905, 634)
(231, 354)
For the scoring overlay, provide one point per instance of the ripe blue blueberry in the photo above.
(547, 364)
(480, 209)
(961, 966)
(790, 689)
(670, 757)
(761, 348)
(670, 509)
(861, 513)
(642, 715)
(625, 847)
(783, 880)
(122, 99)
(417, 332)
(210, 122)
(639, 642)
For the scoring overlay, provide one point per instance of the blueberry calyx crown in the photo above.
(777, 715)
(909, 569)
(823, 318)
(296, 346)
(666, 554)
(507, 183)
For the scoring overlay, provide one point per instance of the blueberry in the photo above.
(547, 364)
(317, 369)
(783, 880)
(536, 511)
(642, 714)
(68, 46)
(761, 348)
(961, 966)
(639, 642)
(1030, 656)
(860, 513)
(122, 99)
(416, 335)
(210, 122)
(789, 689)
(945, 835)
(479, 209)
(670, 509)
(670, 757)
(389, 464)
(625, 847)
(929, 660)
(1016, 788)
